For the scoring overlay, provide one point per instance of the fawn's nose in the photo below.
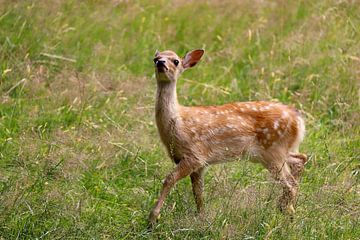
(160, 63)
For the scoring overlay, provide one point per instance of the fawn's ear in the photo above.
(192, 58)
(156, 53)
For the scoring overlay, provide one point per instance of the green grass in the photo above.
(80, 157)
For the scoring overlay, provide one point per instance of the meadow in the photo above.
(80, 157)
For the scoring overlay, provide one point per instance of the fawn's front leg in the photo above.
(181, 170)
(197, 180)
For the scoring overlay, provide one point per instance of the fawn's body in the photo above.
(199, 136)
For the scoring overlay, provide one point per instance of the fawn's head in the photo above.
(169, 66)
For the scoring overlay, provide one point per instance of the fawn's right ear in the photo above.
(192, 58)
(156, 53)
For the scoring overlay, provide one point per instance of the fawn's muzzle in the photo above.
(161, 66)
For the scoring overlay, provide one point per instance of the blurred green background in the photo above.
(80, 157)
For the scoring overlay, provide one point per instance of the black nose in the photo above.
(160, 63)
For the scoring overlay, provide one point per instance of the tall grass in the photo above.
(79, 152)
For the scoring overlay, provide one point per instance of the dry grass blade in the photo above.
(53, 56)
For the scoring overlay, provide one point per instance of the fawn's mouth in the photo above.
(161, 68)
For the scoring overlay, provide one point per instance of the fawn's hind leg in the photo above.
(290, 190)
(289, 185)
(277, 166)
(296, 162)
(197, 181)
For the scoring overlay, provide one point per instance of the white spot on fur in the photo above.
(268, 136)
(285, 114)
(254, 109)
(276, 125)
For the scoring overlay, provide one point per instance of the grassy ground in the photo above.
(79, 152)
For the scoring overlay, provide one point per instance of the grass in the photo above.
(80, 157)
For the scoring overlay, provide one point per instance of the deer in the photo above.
(198, 136)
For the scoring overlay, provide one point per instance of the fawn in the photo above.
(202, 135)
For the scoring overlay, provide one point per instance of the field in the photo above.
(80, 157)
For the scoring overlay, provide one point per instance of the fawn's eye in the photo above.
(176, 62)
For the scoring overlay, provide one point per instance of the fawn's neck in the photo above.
(167, 106)
(166, 114)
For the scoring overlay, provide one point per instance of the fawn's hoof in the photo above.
(288, 210)
(201, 214)
(153, 217)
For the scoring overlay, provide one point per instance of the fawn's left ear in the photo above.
(192, 58)
(156, 53)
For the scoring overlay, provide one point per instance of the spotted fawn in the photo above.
(195, 137)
